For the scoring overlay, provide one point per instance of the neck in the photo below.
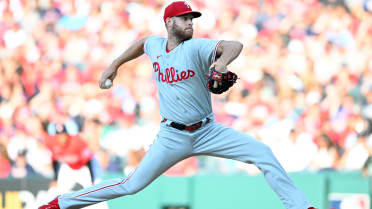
(173, 42)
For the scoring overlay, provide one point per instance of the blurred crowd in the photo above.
(305, 85)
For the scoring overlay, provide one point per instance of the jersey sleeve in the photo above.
(148, 45)
(207, 49)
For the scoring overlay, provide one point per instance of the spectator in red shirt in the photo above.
(71, 150)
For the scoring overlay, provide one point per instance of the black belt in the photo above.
(182, 127)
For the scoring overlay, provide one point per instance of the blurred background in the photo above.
(305, 85)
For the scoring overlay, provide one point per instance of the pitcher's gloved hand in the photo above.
(224, 80)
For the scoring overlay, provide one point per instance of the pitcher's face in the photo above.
(182, 27)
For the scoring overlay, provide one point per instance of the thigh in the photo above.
(83, 176)
(66, 178)
(222, 141)
(168, 149)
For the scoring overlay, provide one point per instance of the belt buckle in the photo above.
(193, 127)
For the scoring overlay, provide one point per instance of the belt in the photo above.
(182, 127)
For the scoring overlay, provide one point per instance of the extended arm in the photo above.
(134, 51)
(227, 51)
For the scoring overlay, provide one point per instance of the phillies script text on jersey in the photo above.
(170, 74)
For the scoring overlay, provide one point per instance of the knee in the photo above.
(131, 189)
(258, 152)
(264, 151)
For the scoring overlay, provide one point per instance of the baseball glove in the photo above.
(226, 80)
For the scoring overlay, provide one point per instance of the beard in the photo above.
(181, 34)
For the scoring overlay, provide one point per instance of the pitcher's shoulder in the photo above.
(155, 38)
(196, 42)
(153, 43)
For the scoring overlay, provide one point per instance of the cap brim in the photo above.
(195, 14)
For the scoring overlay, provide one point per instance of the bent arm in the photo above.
(227, 51)
(134, 51)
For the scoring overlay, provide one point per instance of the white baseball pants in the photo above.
(172, 146)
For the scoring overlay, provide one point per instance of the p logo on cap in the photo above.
(179, 8)
(188, 6)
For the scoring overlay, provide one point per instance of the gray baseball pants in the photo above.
(172, 145)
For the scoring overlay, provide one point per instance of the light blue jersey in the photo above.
(181, 77)
(182, 85)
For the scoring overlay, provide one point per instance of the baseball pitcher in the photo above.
(186, 71)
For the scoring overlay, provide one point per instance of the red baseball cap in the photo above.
(179, 8)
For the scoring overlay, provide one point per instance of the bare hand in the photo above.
(108, 74)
